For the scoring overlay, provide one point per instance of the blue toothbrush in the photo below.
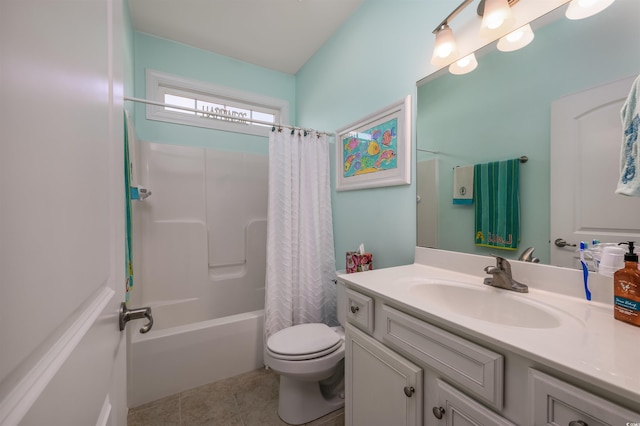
(585, 270)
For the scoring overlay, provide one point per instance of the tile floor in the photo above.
(250, 399)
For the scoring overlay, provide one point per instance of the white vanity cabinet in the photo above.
(385, 388)
(403, 370)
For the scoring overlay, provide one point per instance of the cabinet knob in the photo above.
(438, 412)
(409, 390)
(354, 309)
(577, 423)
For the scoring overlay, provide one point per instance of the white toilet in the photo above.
(310, 361)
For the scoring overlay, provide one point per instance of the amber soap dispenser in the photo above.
(626, 289)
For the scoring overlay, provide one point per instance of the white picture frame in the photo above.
(375, 151)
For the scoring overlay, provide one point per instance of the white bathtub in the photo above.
(168, 361)
(199, 263)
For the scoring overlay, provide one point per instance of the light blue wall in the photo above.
(197, 64)
(377, 57)
(502, 110)
(373, 61)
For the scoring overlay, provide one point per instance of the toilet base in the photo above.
(303, 401)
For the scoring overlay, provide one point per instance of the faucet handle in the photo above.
(502, 263)
(491, 269)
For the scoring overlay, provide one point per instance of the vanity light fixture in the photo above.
(516, 39)
(579, 9)
(497, 17)
(445, 49)
(464, 65)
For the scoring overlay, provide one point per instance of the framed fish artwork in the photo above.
(375, 151)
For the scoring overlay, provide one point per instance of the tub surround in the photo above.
(200, 265)
(586, 346)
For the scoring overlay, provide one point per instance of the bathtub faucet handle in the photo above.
(127, 315)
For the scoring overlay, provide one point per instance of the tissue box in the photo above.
(357, 262)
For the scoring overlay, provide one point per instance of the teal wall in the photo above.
(196, 64)
(377, 57)
(502, 110)
(373, 61)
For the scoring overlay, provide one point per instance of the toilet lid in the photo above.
(303, 339)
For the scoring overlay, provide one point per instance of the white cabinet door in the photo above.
(586, 136)
(555, 402)
(61, 213)
(382, 388)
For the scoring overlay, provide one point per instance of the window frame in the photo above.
(159, 83)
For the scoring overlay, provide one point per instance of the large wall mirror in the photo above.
(502, 110)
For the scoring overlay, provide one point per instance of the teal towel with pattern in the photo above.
(497, 204)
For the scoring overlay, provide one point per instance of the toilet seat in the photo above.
(303, 342)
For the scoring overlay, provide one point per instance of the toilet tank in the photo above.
(342, 302)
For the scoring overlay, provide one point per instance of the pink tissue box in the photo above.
(357, 262)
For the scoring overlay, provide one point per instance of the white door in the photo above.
(61, 213)
(586, 136)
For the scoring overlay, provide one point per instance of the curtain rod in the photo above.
(199, 111)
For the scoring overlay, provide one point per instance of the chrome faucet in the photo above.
(502, 276)
(527, 256)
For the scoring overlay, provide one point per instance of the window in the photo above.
(222, 108)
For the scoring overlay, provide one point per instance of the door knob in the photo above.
(577, 423)
(409, 391)
(127, 315)
(560, 242)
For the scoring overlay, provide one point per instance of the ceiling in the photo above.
(277, 34)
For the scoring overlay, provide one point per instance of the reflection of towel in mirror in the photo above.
(497, 204)
(629, 183)
(463, 185)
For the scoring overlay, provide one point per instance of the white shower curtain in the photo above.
(300, 254)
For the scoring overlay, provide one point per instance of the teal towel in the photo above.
(497, 204)
(128, 216)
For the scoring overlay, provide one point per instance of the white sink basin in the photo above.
(486, 304)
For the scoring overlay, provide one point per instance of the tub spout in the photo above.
(127, 315)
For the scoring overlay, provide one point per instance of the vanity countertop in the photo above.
(587, 343)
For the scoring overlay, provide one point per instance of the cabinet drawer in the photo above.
(558, 403)
(459, 409)
(474, 368)
(360, 310)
